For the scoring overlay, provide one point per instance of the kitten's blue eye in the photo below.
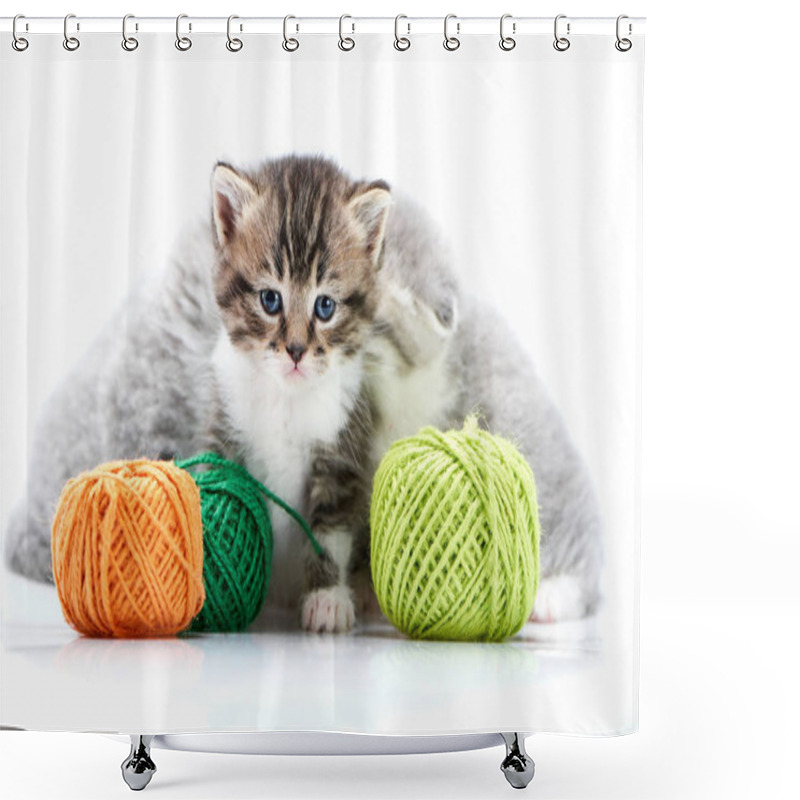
(271, 300)
(324, 307)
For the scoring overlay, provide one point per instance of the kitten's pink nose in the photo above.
(295, 351)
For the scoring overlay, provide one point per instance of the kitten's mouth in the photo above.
(294, 373)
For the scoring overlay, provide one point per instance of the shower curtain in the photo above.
(499, 179)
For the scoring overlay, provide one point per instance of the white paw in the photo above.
(328, 610)
(558, 598)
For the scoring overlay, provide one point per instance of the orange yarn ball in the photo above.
(128, 550)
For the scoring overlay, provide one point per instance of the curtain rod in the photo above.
(462, 26)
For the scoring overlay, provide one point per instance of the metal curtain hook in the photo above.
(19, 43)
(233, 44)
(561, 43)
(129, 43)
(623, 45)
(183, 43)
(346, 42)
(289, 44)
(451, 42)
(71, 43)
(507, 42)
(401, 42)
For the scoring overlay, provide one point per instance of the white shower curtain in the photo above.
(529, 163)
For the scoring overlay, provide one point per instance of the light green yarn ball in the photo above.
(455, 535)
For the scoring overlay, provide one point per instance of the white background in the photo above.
(719, 700)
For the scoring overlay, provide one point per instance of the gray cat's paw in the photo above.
(558, 598)
(328, 610)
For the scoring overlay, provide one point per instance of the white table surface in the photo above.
(547, 678)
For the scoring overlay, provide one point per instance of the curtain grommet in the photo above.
(129, 43)
(71, 43)
(183, 43)
(19, 43)
(289, 44)
(234, 44)
(451, 43)
(401, 43)
(346, 43)
(507, 43)
(561, 43)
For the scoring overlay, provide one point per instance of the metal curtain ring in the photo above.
(506, 42)
(561, 43)
(401, 43)
(19, 43)
(233, 44)
(451, 42)
(346, 43)
(290, 44)
(623, 45)
(71, 43)
(183, 43)
(129, 43)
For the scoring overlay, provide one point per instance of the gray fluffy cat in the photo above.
(316, 320)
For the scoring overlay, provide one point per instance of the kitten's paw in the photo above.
(328, 610)
(558, 598)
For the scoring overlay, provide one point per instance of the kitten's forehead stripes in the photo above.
(273, 267)
(286, 197)
(315, 267)
(316, 231)
(322, 268)
(305, 203)
(283, 258)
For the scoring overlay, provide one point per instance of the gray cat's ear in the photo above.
(232, 193)
(371, 210)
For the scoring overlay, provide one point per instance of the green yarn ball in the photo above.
(455, 535)
(237, 544)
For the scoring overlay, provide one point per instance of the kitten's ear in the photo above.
(232, 193)
(371, 209)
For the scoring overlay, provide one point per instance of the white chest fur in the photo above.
(279, 427)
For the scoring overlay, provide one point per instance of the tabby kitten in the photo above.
(299, 247)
